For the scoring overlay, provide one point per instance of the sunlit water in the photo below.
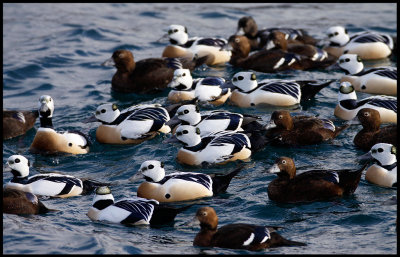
(57, 49)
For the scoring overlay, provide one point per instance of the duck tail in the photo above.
(164, 214)
(338, 130)
(221, 182)
(258, 139)
(309, 88)
(349, 179)
(278, 240)
(90, 185)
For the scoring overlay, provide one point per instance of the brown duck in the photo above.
(17, 123)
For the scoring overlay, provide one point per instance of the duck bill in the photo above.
(239, 32)
(228, 84)
(173, 122)
(90, 119)
(226, 47)
(163, 39)
(172, 139)
(366, 157)
(274, 169)
(136, 177)
(7, 169)
(194, 222)
(271, 124)
(108, 63)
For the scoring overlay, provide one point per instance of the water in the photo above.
(57, 49)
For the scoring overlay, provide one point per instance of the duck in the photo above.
(263, 60)
(132, 125)
(18, 122)
(372, 133)
(130, 211)
(22, 203)
(207, 90)
(368, 45)
(318, 57)
(179, 186)
(348, 106)
(237, 235)
(147, 76)
(216, 148)
(380, 80)
(247, 26)
(213, 121)
(283, 129)
(384, 172)
(49, 184)
(49, 141)
(183, 46)
(247, 91)
(311, 185)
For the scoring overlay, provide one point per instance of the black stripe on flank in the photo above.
(202, 179)
(211, 42)
(212, 81)
(286, 88)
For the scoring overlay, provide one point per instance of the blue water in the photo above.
(57, 49)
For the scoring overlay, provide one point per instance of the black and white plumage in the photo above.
(368, 45)
(134, 123)
(348, 106)
(384, 172)
(218, 147)
(249, 92)
(49, 184)
(380, 80)
(208, 122)
(178, 186)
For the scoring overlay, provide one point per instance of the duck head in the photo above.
(207, 217)
(337, 35)
(123, 60)
(189, 113)
(188, 135)
(284, 167)
(350, 63)
(151, 170)
(177, 34)
(245, 81)
(281, 119)
(102, 198)
(247, 26)
(105, 113)
(182, 80)
(46, 106)
(18, 165)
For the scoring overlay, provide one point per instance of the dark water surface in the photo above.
(57, 49)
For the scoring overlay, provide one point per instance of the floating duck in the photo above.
(132, 125)
(130, 211)
(348, 106)
(247, 26)
(248, 92)
(311, 185)
(49, 184)
(19, 202)
(236, 236)
(367, 45)
(183, 46)
(283, 129)
(317, 57)
(384, 173)
(146, 76)
(211, 121)
(49, 141)
(371, 132)
(382, 80)
(17, 122)
(207, 90)
(179, 186)
(216, 148)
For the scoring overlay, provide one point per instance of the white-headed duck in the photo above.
(49, 141)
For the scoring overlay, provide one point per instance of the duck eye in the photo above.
(347, 60)
(175, 30)
(336, 33)
(237, 40)
(184, 74)
(17, 160)
(240, 78)
(280, 117)
(185, 132)
(151, 166)
(186, 111)
(283, 161)
(70, 144)
(204, 213)
(366, 114)
(380, 150)
(103, 110)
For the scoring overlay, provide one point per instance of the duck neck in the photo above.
(46, 122)
(390, 167)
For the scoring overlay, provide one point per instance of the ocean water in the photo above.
(57, 49)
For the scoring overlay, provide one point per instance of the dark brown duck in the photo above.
(17, 123)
